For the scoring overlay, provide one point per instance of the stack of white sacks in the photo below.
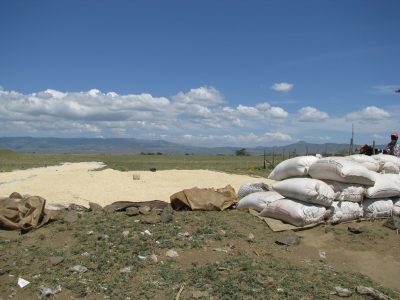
(311, 190)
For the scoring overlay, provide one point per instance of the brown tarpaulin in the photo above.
(204, 199)
(24, 214)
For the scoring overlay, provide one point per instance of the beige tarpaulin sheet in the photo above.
(204, 199)
(278, 225)
(24, 214)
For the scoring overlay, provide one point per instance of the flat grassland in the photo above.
(217, 260)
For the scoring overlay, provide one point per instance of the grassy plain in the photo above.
(251, 165)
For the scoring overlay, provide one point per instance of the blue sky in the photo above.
(211, 73)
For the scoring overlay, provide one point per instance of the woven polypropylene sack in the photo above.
(343, 211)
(295, 212)
(396, 206)
(386, 185)
(390, 168)
(347, 191)
(258, 200)
(367, 161)
(249, 188)
(342, 170)
(384, 158)
(306, 189)
(293, 167)
(377, 208)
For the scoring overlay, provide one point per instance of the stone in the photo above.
(150, 220)
(126, 270)
(125, 233)
(393, 223)
(172, 253)
(288, 237)
(110, 208)
(55, 260)
(343, 292)
(355, 230)
(136, 176)
(78, 269)
(70, 217)
(153, 169)
(132, 211)
(166, 215)
(144, 210)
(154, 258)
(103, 237)
(95, 207)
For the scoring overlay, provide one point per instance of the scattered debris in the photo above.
(146, 232)
(322, 255)
(342, 292)
(46, 292)
(78, 269)
(172, 253)
(103, 237)
(225, 250)
(141, 257)
(22, 282)
(251, 238)
(55, 260)
(180, 292)
(182, 235)
(374, 294)
(90, 232)
(126, 269)
(154, 258)
(289, 238)
(136, 176)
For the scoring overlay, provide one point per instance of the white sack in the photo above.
(367, 161)
(306, 189)
(344, 211)
(386, 185)
(249, 188)
(396, 207)
(258, 200)
(295, 212)
(377, 208)
(293, 167)
(383, 158)
(347, 191)
(390, 168)
(342, 170)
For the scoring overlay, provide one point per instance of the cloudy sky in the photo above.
(211, 73)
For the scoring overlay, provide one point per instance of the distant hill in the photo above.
(137, 146)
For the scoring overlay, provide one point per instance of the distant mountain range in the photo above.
(137, 146)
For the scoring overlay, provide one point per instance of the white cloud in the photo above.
(370, 113)
(282, 87)
(311, 114)
(205, 96)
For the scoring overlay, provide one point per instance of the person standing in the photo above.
(393, 148)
